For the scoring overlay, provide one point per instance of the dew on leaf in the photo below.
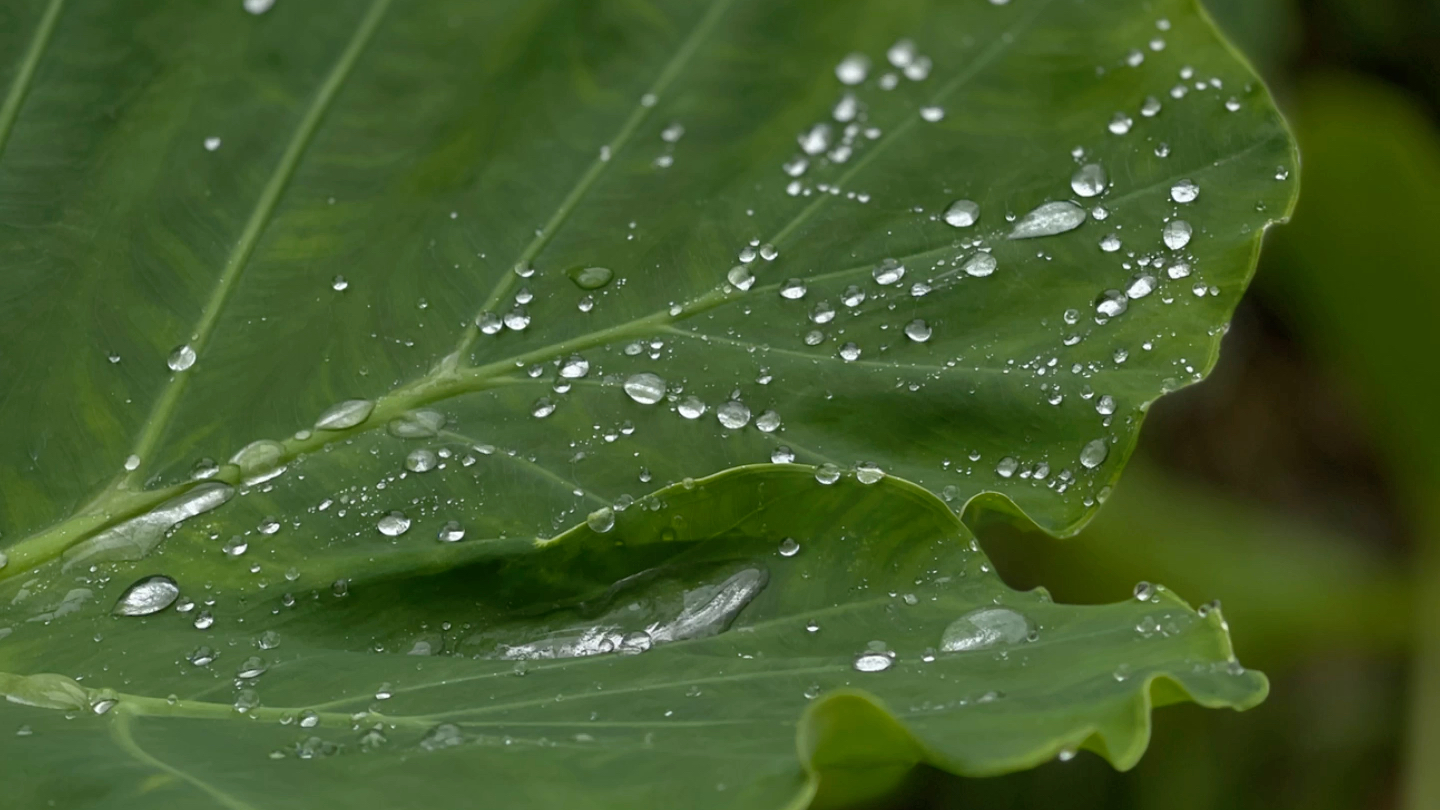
(1094, 453)
(645, 388)
(962, 213)
(873, 662)
(182, 358)
(147, 595)
(1089, 180)
(980, 265)
(918, 331)
(1184, 191)
(422, 424)
(1176, 234)
(591, 278)
(985, 628)
(733, 414)
(788, 547)
(393, 524)
(346, 414)
(1049, 219)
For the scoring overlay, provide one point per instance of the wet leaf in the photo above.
(375, 329)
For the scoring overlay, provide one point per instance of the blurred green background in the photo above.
(1300, 484)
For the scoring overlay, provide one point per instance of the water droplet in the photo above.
(788, 547)
(1120, 123)
(575, 368)
(132, 462)
(1105, 405)
(542, 408)
(767, 422)
(212, 143)
(740, 277)
(258, 6)
(782, 455)
(827, 473)
(421, 460)
(451, 532)
(980, 265)
(815, 140)
(422, 424)
(268, 640)
(918, 331)
(868, 473)
(1094, 453)
(1110, 243)
(202, 656)
(853, 68)
(793, 289)
(517, 319)
(489, 323)
(1184, 191)
(259, 461)
(1176, 234)
(1006, 467)
(148, 595)
(691, 408)
(985, 628)
(1178, 270)
(1144, 590)
(601, 520)
(339, 284)
(1049, 219)
(1151, 107)
(645, 388)
(205, 620)
(901, 53)
(1111, 303)
(849, 352)
(1140, 286)
(733, 414)
(252, 667)
(873, 662)
(591, 278)
(394, 524)
(962, 213)
(343, 415)
(1089, 180)
(182, 358)
(309, 719)
(887, 272)
(932, 113)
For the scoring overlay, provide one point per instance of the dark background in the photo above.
(1298, 484)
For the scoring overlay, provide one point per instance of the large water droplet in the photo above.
(733, 414)
(575, 368)
(886, 273)
(645, 388)
(421, 460)
(918, 331)
(962, 213)
(148, 595)
(980, 265)
(853, 68)
(1089, 180)
(601, 520)
(1049, 219)
(1111, 303)
(1184, 191)
(591, 278)
(259, 461)
(345, 414)
(451, 532)
(985, 628)
(1177, 234)
(873, 662)
(423, 424)
(1094, 453)
(182, 358)
(394, 524)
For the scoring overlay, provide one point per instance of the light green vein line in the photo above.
(21, 86)
(121, 732)
(597, 167)
(997, 47)
(235, 264)
(534, 468)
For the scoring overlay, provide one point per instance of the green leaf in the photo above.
(287, 239)
(511, 676)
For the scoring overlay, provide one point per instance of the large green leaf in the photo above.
(506, 644)
(321, 202)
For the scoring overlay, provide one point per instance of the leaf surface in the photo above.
(556, 256)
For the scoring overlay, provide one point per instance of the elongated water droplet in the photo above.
(1094, 453)
(1111, 303)
(1049, 219)
(343, 415)
(985, 628)
(873, 662)
(980, 265)
(147, 595)
(591, 278)
(259, 461)
(423, 424)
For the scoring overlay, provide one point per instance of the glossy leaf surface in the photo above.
(558, 255)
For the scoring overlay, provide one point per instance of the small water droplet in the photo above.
(788, 547)
(868, 473)
(887, 272)
(918, 331)
(1120, 123)
(782, 455)
(793, 289)
(1143, 591)
(1006, 467)
(827, 473)
(853, 68)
